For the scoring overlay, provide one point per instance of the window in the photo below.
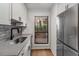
(41, 29)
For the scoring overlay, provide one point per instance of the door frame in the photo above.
(47, 30)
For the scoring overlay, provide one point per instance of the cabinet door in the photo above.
(61, 7)
(16, 11)
(5, 13)
(19, 12)
(26, 50)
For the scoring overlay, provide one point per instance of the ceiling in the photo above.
(45, 6)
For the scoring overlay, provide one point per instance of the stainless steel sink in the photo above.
(20, 40)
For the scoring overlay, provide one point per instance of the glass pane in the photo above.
(41, 29)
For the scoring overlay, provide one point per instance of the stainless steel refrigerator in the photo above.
(67, 32)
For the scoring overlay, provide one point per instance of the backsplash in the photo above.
(5, 32)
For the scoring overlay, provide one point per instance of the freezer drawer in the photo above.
(59, 48)
(69, 52)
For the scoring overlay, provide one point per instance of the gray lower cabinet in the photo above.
(26, 51)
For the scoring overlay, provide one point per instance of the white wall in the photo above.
(31, 14)
(53, 15)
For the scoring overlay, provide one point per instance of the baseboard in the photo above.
(40, 47)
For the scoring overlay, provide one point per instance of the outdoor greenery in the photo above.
(41, 28)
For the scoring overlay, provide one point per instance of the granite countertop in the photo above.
(9, 49)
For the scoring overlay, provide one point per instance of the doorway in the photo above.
(41, 30)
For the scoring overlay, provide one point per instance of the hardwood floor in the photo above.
(41, 52)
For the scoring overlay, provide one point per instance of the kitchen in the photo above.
(14, 41)
(17, 33)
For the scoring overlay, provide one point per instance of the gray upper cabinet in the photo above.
(19, 12)
(5, 13)
(16, 11)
